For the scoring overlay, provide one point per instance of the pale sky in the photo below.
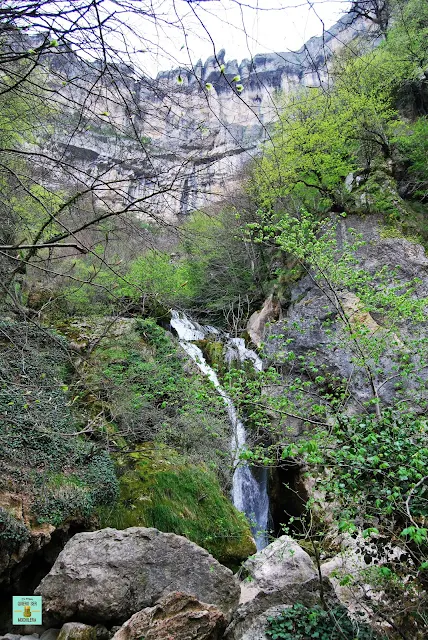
(242, 27)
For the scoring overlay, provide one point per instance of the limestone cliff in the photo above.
(184, 136)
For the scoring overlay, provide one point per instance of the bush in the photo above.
(40, 454)
(12, 532)
(303, 623)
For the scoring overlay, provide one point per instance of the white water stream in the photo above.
(249, 492)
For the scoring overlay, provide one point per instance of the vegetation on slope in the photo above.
(43, 454)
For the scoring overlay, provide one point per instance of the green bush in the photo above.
(41, 451)
(303, 623)
(12, 531)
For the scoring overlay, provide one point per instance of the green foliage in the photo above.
(214, 270)
(228, 272)
(302, 623)
(310, 155)
(158, 488)
(141, 382)
(40, 448)
(375, 465)
(12, 532)
(412, 143)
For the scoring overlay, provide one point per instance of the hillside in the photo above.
(213, 337)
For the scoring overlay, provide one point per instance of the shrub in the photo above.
(303, 623)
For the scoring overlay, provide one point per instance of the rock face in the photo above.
(177, 616)
(312, 326)
(257, 630)
(141, 132)
(256, 326)
(106, 576)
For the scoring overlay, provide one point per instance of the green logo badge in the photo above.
(27, 610)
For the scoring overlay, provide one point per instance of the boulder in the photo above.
(177, 615)
(50, 634)
(256, 325)
(280, 575)
(77, 631)
(278, 565)
(106, 576)
(248, 614)
(257, 630)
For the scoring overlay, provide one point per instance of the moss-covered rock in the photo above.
(158, 488)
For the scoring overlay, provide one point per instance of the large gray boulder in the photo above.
(277, 566)
(280, 575)
(249, 616)
(108, 575)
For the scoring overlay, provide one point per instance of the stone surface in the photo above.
(303, 323)
(356, 556)
(306, 593)
(280, 564)
(77, 631)
(106, 576)
(177, 615)
(256, 325)
(257, 630)
(280, 575)
(50, 634)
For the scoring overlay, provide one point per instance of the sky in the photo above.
(189, 30)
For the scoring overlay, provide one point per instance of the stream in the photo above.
(249, 489)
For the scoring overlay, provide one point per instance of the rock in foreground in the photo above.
(107, 576)
(277, 566)
(177, 616)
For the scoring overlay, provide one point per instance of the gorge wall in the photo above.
(180, 141)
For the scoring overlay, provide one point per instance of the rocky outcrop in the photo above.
(106, 576)
(257, 322)
(177, 616)
(312, 326)
(184, 141)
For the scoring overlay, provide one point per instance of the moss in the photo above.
(160, 489)
(214, 354)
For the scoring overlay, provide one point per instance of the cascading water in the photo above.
(249, 491)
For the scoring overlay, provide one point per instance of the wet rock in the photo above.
(106, 576)
(177, 616)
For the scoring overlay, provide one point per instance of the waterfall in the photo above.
(249, 492)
